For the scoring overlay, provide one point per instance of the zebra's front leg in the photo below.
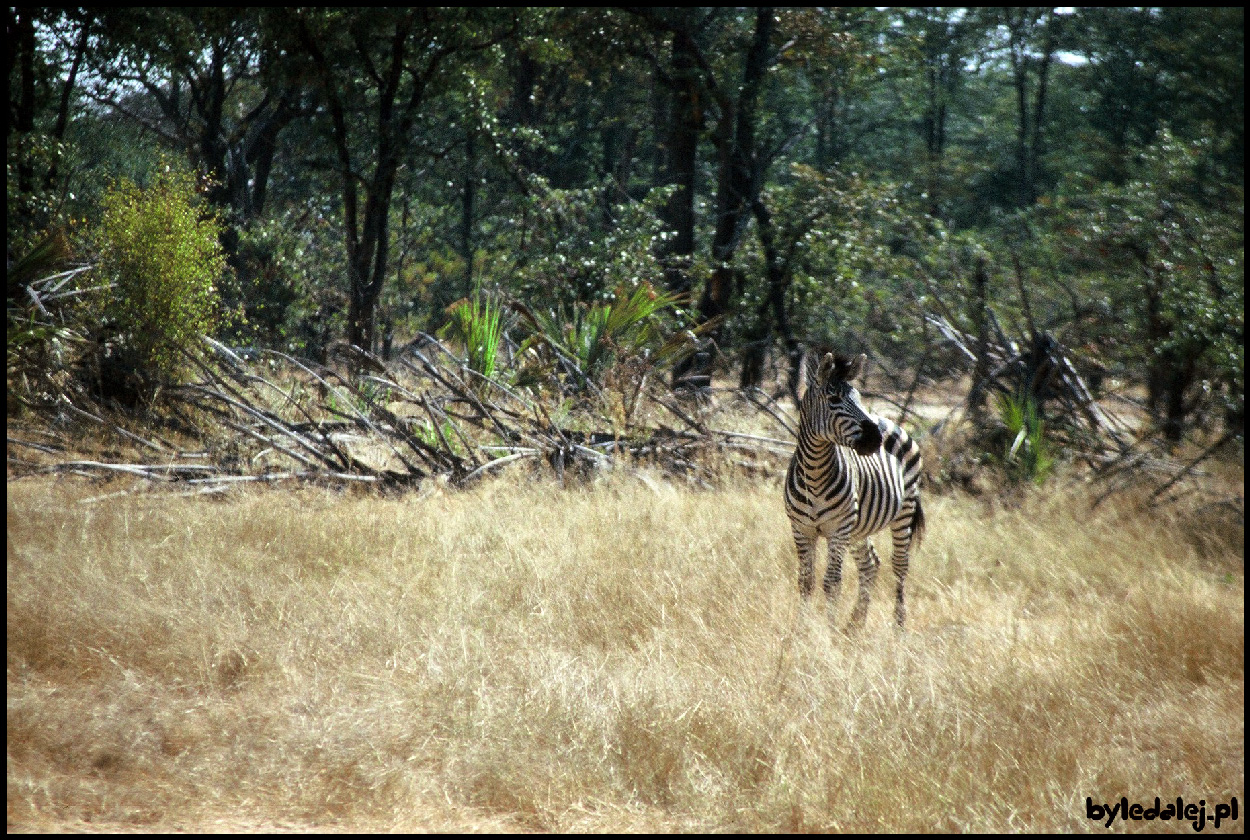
(833, 576)
(868, 563)
(806, 545)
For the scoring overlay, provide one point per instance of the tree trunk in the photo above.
(934, 124)
(738, 183)
(467, 197)
(774, 315)
(1169, 374)
(980, 315)
(1039, 103)
(67, 90)
(261, 148)
(1024, 167)
(23, 115)
(365, 235)
(685, 120)
(1029, 120)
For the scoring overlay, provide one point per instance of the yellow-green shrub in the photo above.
(160, 248)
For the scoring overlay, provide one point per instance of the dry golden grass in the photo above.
(628, 656)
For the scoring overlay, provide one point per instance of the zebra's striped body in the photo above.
(853, 474)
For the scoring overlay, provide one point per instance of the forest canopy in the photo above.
(773, 177)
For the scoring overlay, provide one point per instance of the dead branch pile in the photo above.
(267, 416)
(1041, 369)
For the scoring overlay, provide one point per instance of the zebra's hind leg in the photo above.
(869, 563)
(899, 561)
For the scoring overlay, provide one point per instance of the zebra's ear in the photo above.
(856, 367)
(825, 370)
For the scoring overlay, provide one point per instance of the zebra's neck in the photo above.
(817, 448)
(820, 459)
(895, 441)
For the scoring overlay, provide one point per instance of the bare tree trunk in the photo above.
(980, 314)
(685, 121)
(365, 235)
(740, 174)
(774, 315)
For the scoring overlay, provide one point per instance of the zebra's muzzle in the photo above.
(869, 439)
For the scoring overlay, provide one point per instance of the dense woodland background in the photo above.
(753, 181)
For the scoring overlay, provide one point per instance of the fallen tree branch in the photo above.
(269, 416)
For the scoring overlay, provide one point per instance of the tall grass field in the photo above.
(625, 656)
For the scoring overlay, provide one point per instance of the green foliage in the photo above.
(595, 337)
(270, 283)
(852, 250)
(160, 250)
(1026, 454)
(477, 322)
(47, 321)
(534, 150)
(436, 437)
(1168, 248)
(31, 203)
(47, 254)
(579, 246)
(279, 294)
(356, 399)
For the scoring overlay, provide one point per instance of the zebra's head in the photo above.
(831, 409)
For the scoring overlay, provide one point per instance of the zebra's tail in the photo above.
(917, 524)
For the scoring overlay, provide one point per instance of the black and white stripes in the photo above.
(853, 474)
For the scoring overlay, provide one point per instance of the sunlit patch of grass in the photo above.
(629, 655)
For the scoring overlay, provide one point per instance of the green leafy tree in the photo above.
(207, 82)
(1182, 68)
(1171, 253)
(375, 72)
(939, 43)
(555, 155)
(160, 249)
(840, 256)
(45, 57)
(567, 250)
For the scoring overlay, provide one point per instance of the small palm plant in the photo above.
(594, 338)
(1027, 454)
(477, 321)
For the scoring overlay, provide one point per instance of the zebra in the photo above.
(852, 474)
